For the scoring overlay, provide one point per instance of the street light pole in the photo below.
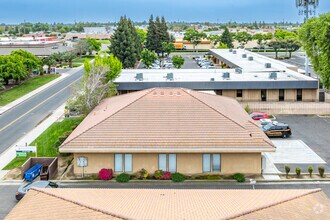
(304, 9)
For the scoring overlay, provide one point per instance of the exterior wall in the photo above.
(189, 163)
(241, 163)
(247, 163)
(310, 95)
(327, 97)
(251, 95)
(273, 95)
(229, 93)
(290, 95)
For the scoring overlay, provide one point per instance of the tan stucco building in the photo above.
(172, 129)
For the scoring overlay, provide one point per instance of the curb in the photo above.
(18, 101)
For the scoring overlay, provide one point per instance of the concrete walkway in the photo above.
(11, 105)
(10, 153)
(290, 108)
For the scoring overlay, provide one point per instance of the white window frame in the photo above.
(124, 158)
(209, 164)
(169, 158)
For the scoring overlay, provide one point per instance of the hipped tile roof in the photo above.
(171, 204)
(168, 119)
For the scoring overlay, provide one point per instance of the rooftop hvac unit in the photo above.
(169, 76)
(226, 75)
(139, 77)
(268, 65)
(250, 58)
(273, 75)
(230, 50)
(212, 79)
(234, 52)
(244, 55)
(238, 70)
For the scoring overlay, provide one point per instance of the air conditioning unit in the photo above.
(139, 77)
(230, 50)
(273, 75)
(226, 75)
(169, 76)
(238, 70)
(212, 79)
(244, 55)
(250, 58)
(234, 52)
(268, 65)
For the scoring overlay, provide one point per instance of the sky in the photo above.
(69, 11)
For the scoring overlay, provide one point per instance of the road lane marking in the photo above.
(17, 119)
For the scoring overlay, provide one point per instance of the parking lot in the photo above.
(313, 131)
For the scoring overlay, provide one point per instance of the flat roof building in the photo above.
(247, 77)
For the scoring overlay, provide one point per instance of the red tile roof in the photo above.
(168, 120)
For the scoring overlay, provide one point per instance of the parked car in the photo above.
(277, 130)
(22, 190)
(258, 115)
(267, 121)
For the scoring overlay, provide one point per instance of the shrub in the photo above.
(310, 170)
(178, 177)
(287, 171)
(247, 108)
(105, 174)
(158, 174)
(321, 171)
(239, 177)
(298, 171)
(123, 177)
(142, 174)
(166, 176)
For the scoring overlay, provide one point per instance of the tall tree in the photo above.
(151, 35)
(194, 37)
(315, 35)
(243, 38)
(30, 61)
(215, 39)
(227, 38)
(124, 43)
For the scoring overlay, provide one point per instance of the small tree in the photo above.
(276, 45)
(82, 47)
(215, 39)
(227, 38)
(243, 38)
(298, 171)
(292, 45)
(148, 57)
(310, 170)
(194, 37)
(178, 61)
(321, 171)
(287, 171)
(168, 47)
(247, 108)
(94, 45)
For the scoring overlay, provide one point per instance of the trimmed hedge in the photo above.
(239, 177)
(178, 177)
(123, 178)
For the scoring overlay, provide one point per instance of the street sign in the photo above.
(21, 154)
(31, 149)
(82, 162)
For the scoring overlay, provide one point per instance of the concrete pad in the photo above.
(293, 152)
(3, 173)
(268, 166)
(271, 177)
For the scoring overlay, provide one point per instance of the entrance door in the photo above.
(264, 95)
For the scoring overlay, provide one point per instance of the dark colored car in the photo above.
(258, 115)
(22, 190)
(277, 130)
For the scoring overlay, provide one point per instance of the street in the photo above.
(16, 122)
(8, 201)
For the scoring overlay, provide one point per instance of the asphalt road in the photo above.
(8, 201)
(18, 121)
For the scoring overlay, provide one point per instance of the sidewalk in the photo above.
(11, 105)
(290, 108)
(10, 153)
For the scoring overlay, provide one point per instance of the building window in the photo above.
(299, 94)
(239, 93)
(263, 95)
(281, 95)
(211, 162)
(123, 163)
(167, 162)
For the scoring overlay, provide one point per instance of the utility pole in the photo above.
(306, 8)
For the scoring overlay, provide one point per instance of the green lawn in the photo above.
(104, 41)
(48, 142)
(82, 59)
(25, 88)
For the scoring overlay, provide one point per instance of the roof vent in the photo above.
(226, 75)
(212, 79)
(244, 55)
(234, 52)
(178, 93)
(238, 70)
(169, 76)
(171, 93)
(162, 93)
(255, 75)
(154, 93)
(139, 77)
(250, 58)
(273, 75)
(230, 50)
(268, 65)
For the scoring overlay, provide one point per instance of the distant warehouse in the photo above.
(247, 77)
